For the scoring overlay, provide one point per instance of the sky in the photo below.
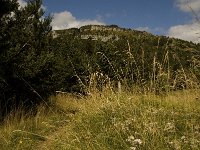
(173, 18)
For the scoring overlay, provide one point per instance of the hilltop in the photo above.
(90, 31)
(105, 33)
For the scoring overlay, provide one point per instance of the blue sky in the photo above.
(163, 17)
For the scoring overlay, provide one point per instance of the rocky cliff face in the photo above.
(99, 32)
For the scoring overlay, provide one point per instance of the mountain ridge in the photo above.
(112, 28)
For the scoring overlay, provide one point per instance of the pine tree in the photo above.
(25, 55)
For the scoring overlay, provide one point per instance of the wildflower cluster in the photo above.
(134, 142)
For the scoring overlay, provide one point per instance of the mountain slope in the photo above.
(129, 56)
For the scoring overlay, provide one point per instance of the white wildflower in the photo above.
(183, 138)
(137, 142)
(171, 143)
(134, 142)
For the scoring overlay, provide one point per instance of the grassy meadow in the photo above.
(108, 121)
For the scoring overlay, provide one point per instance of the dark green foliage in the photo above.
(25, 57)
(6, 6)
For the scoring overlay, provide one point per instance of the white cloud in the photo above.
(189, 32)
(65, 20)
(187, 5)
(143, 29)
(22, 3)
(159, 30)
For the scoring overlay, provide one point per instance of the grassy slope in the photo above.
(109, 121)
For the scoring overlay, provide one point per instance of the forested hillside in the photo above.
(129, 56)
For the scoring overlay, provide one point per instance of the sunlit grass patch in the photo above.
(109, 120)
(132, 121)
(25, 131)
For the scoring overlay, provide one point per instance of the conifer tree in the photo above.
(25, 55)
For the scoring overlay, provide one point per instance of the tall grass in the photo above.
(108, 120)
(22, 131)
(159, 75)
(131, 121)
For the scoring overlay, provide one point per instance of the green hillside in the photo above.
(129, 56)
